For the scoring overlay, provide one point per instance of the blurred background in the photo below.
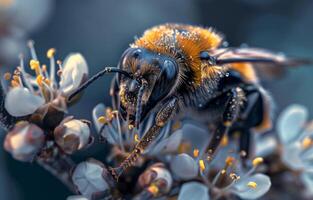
(102, 30)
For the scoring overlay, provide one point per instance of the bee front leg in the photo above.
(233, 104)
(163, 116)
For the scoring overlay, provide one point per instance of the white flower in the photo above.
(89, 178)
(72, 135)
(24, 141)
(28, 94)
(296, 137)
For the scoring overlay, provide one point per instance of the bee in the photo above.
(176, 69)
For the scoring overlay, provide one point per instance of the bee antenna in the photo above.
(96, 76)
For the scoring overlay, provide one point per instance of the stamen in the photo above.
(153, 189)
(201, 165)
(24, 74)
(102, 120)
(224, 141)
(230, 161)
(257, 161)
(136, 138)
(50, 55)
(7, 76)
(39, 80)
(32, 49)
(195, 153)
(234, 176)
(252, 184)
(307, 142)
(35, 65)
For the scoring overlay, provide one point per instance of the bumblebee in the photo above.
(175, 69)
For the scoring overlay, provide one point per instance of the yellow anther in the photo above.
(234, 176)
(136, 138)
(224, 141)
(202, 165)
(257, 161)
(176, 125)
(195, 153)
(39, 80)
(223, 172)
(14, 83)
(252, 184)
(34, 64)
(50, 53)
(7, 76)
(130, 127)
(16, 78)
(153, 189)
(227, 123)
(307, 142)
(47, 81)
(102, 120)
(230, 160)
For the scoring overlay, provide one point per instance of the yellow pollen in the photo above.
(257, 161)
(252, 184)
(50, 53)
(7, 76)
(229, 160)
(35, 65)
(16, 78)
(47, 81)
(153, 189)
(39, 80)
(14, 83)
(136, 138)
(202, 165)
(224, 141)
(307, 142)
(223, 171)
(195, 153)
(102, 120)
(130, 127)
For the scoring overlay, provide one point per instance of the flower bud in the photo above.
(92, 179)
(24, 141)
(156, 179)
(72, 135)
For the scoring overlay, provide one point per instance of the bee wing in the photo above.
(269, 64)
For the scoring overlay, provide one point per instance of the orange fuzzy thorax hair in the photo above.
(171, 39)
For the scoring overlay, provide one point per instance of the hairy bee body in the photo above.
(199, 82)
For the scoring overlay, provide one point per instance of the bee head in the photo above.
(154, 77)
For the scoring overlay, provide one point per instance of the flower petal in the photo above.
(76, 197)
(307, 179)
(88, 178)
(75, 70)
(168, 145)
(19, 102)
(194, 190)
(290, 122)
(291, 156)
(263, 184)
(184, 166)
(198, 136)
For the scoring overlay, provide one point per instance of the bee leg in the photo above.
(114, 90)
(234, 102)
(163, 116)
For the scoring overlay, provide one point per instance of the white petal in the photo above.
(198, 136)
(168, 145)
(184, 166)
(290, 123)
(97, 112)
(88, 179)
(194, 190)
(307, 179)
(245, 192)
(75, 68)
(21, 102)
(264, 145)
(291, 156)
